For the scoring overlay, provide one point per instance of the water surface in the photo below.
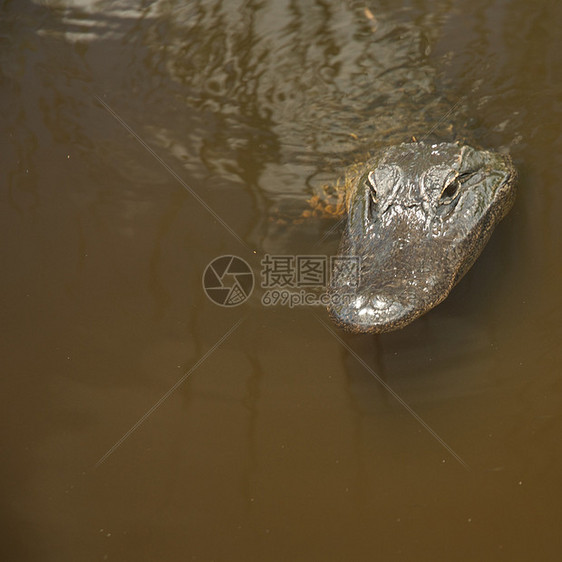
(141, 141)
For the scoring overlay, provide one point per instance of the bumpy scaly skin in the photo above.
(418, 217)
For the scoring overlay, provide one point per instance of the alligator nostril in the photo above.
(380, 303)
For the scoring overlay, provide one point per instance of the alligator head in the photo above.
(418, 217)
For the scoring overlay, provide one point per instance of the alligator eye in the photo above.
(372, 204)
(370, 181)
(450, 191)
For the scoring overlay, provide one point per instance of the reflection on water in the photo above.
(279, 444)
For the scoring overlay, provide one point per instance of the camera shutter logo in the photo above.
(228, 281)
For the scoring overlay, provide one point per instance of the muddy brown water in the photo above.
(141, 421)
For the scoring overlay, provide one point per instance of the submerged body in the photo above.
(418, 217)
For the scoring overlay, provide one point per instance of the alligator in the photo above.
(418, 216)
